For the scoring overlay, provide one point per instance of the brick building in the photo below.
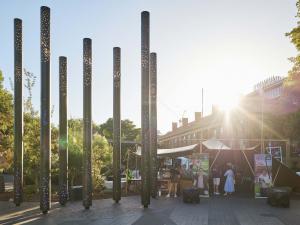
(241, 127)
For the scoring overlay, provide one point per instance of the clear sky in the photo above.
(224, 46)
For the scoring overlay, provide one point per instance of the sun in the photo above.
(228, 102)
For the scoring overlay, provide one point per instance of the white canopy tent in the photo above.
(181, 151)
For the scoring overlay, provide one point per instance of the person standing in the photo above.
(229, 183)
(216, 175)
(201, 182)
(175, 176)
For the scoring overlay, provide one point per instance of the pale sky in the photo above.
(224, 46)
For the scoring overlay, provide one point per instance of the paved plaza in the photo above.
(212, 211)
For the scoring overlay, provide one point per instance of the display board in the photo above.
(276, 152)
(200, 168)
(263, 174)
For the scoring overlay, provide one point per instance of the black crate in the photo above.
(191, 195)
(76, 193)
(279, 196)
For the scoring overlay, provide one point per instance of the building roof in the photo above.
(204, 122)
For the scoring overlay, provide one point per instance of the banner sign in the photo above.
(200, 168)
(276, 152)
(263, 174)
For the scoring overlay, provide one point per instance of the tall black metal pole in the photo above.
(87, 122)
(63, 132)
(145, 42)
(18, 110)
(45, 179)
(153, 123)
(116, 124)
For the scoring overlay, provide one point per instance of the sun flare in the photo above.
(228, 103)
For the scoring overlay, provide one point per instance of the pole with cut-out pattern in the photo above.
(18, 114)
(116, 124)
(145, 110)
(45, 165)
(87, 123)
(63, 132)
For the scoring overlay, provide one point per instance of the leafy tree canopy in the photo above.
(6, 126)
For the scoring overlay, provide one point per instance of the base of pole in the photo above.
(18, 204)
(45, 212)
(87, 207)
(146, 206)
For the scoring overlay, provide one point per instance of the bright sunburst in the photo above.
(228, 102)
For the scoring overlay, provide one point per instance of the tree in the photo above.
(75, 151)
(31, 138)
(101, 159)
(6, 126)
(101, 155)
(129, 133)
(30, 80)
(294, 35)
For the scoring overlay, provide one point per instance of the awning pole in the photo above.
(215, 159)
(248, 163)
(201, 146)
(277, 172)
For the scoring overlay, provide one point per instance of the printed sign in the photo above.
(276, 152)
(200, 168)
(263, 174)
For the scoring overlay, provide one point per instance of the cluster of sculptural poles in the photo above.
(148, 112)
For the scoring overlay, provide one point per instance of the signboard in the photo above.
(276, 152)
(263, 174)
(200, 168)
(168, 162)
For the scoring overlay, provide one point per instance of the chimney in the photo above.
(185, 121)
(174, 126)
(198, 116)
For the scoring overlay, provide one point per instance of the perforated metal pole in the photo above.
(63, 132)
(45, 180)
(153, 123)
(18, 117)
(87, 123)
(117, 124)
(145, 159)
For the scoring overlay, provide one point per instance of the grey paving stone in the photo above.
(162, 211)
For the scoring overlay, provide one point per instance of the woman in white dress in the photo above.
(229, 183)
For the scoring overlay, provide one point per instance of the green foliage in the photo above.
(75, 147)
(31, 141)
(6, 126)
(31, 138)
(291, 124)
(294, 36)
(102, 150)
(30, 80)
(129, 133)
(101, 159)
(129, 175)
(101, 155)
